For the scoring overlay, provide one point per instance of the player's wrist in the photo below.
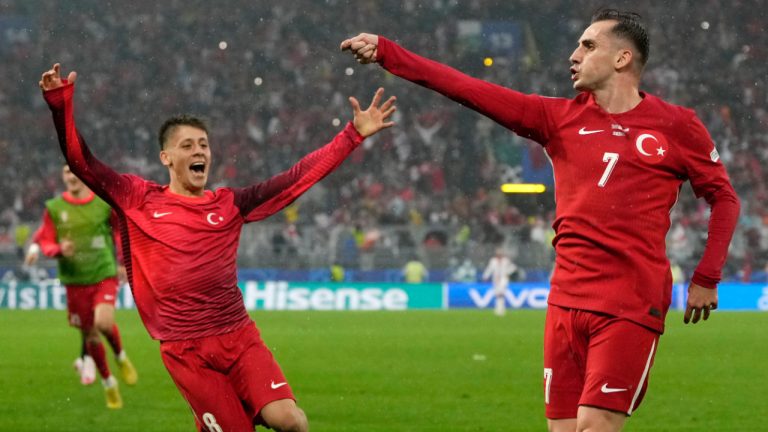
(354, 133)
(703, 281)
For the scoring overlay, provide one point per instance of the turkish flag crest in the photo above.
(651, 146)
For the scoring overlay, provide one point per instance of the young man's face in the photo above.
(188, 158)
(594, 61)
(73, 184)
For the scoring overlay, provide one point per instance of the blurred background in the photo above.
(273, 85)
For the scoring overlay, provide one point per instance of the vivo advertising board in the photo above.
(731, 296)
(480, 295)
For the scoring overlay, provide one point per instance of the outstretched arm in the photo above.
(523, 114)
(100, 178)
(267, 198)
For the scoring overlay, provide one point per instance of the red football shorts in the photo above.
(226, 379)
(82, 301)
(596, 360)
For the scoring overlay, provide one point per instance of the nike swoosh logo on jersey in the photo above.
(157, 215)
(109, 297)
(606, 389)
(584, 131)
(277, 386)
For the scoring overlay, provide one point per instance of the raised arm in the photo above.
(99, 177)
(523, 114)
(267, 198)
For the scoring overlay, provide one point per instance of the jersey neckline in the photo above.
(78, 201)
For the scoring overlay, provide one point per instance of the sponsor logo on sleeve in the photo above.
(714, 155)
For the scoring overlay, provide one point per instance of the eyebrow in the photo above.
(193, 140)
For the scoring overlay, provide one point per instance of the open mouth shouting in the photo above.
(198, 168)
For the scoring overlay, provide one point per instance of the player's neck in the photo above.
(618, 99)
(179, 189)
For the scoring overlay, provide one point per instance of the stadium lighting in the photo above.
(529, 188)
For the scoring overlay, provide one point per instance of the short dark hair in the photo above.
(179, 120)
(629, 27)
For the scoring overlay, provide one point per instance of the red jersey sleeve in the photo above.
(46, 237)
(710, 181)
(523, 114)
(114, 222)
(118, 190)
(264, 199)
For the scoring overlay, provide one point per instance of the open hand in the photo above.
(364, 47)
(700, 302)
(52, 78)
(373, 119)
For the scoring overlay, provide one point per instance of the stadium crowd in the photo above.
(270, 79)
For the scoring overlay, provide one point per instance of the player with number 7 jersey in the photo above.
(180, 242)
(617, 176)
(620, 157)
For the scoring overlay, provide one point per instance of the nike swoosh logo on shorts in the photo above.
(157, 215)
(606, 389)
(277, 386)
(584, 131)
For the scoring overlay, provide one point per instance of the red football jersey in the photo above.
(181, 252)
(617, 177)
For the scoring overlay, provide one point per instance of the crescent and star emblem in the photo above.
(214, 219)
(639, 143)
(655, 152)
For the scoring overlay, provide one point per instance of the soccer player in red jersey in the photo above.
(180, 243)
(77, 230)
(620, 156)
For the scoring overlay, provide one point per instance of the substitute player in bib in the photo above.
(620, 156)
(182, 242)
(77, 230)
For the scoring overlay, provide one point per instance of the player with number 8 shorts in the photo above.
(180, 243)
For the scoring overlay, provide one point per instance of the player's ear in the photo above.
(623, 58)
(165, 158)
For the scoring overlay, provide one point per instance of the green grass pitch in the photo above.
(392, 371)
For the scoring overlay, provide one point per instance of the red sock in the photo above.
(113, 337)
(96, 350)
